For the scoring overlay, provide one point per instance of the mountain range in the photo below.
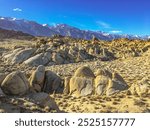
(6, 34)
(36, 29)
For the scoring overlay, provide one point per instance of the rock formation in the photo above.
(15, 84)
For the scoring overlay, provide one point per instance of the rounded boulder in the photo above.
(15, 84)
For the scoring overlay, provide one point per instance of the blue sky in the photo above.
(115, 16)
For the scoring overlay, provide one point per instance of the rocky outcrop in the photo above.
(57, 58)
(39, 59)
(64, 50)
(107, 83)
(15, 84)
(47, 81)
(107, 55)
(85, 72)
(84, 82)
(53, 83)
(23, 55)
(37, 79)
(81, 84)
(10, 55)
(66, 85)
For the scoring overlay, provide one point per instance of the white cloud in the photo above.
(103, 24)
(116, 31)
(17, 9)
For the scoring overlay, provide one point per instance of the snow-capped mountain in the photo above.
(66, 30)
(36, 29)
(25, 26)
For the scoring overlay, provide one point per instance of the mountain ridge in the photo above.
(36, 29)
(4, 34)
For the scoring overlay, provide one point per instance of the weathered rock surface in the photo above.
(106, 55)
(109, 83)
(81, 84)
(15, 84)
(11, 54)
(84, 71)
(37, 79)
(66, 85)
(39, 59)
(53, 83)
(22, 55)
(57, 58)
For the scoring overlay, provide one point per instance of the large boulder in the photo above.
(142, 87)
(73, 51)
(2, 77)
(107, 55)
(84, 71)
(10, 56)
(101, 82)
(23, 55)
(37, 79)
(116, 84)
(81, 84)
(93, 50)
(35, 60)
(66, 85)
(82, 55)
(15, 84)
(44, 100)
(53, 83)
(39, 59)
(57, 58)
(107, 83)
(11, 53)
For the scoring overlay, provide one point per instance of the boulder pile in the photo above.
(84, 82)
(37, 88)
(49, 54)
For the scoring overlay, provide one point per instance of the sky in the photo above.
(113, 16)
